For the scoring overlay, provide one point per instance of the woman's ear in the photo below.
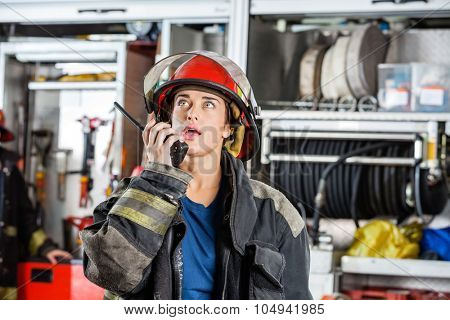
(227, 131)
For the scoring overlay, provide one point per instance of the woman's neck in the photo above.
(206, 173)
(205, 170)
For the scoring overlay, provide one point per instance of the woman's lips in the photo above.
(190, 134)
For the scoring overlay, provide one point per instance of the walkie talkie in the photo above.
(178, 150)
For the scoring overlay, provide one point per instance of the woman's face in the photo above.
(200, 118)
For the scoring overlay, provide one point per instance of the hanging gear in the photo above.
(212, 71)
(90, 126)
(42, 140)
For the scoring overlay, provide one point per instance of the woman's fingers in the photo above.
(145, 134)
(154, 131)
(150, 123)
(154, 134)
(163, 133)
(146, 131)
(171, 140)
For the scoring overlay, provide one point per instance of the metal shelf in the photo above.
(112, 11)
(341, 135)
(54, 85)
(353, 7)
(410, 162)
(336, 115)
(396, 267)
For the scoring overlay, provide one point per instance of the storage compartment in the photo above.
(394, 82)
(317, 63)
(298, 51)
(418, 87)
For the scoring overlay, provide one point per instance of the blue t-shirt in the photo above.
(199, 246)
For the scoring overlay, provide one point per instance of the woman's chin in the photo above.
(196, 151)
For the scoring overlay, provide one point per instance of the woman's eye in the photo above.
(183, 103)
(209, 105)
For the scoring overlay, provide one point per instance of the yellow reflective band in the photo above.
(151, 200)
(139, 218)
(37, 240)
(108, 295)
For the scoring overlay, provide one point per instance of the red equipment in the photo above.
(64, 281)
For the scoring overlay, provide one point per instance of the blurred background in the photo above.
(354, 127)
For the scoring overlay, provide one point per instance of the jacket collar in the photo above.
(243, 212)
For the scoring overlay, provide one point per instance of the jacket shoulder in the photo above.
(282, 205)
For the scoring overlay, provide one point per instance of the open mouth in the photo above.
(189, 133)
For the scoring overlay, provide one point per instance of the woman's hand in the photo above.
(53, 255)
(154, 135)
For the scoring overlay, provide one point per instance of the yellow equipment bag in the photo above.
(382, 239)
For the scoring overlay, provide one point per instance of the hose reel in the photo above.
(354, 179)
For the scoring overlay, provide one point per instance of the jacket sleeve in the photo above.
(129, 228)
(30, 232)
(295, 278)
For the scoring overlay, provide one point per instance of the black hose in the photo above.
(319, 199)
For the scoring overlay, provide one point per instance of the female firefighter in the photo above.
(202, 230)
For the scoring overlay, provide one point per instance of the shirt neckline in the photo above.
(213, 203)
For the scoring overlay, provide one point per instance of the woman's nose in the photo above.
(190, 117)
(192, 114)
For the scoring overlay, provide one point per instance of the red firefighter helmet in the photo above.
(213, 71)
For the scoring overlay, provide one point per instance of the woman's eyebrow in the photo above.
(210, 98)
(182, 95)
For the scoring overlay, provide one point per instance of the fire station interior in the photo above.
(354, 127)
